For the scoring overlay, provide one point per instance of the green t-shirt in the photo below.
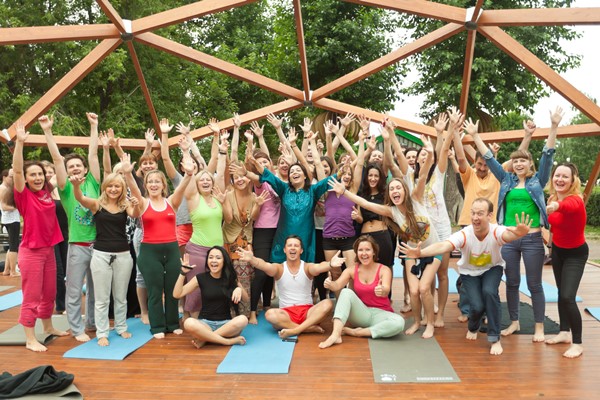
(518, 201)
(81, 220)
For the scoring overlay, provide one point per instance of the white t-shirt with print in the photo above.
(478, 256)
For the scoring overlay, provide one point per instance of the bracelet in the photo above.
(223, 153)
(183, 273)
(294, 145)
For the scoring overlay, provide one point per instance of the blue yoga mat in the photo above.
(11, 300)
(398, 270)
(452, 277)
(263, 353)
(550, 291)
(119, 348)
(594, 311)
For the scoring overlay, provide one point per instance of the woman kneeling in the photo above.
(367, 310)
(220, 291)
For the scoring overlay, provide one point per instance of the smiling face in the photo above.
(411, 157)
(148, 165)
(562, 180)
(396, 192)
(50, 172)
(345, 176)
(35, 178)
(204, 183)
(326, 167)
(481, 168)
(114, 190)
(156, 184)
(373, 178)
(240, 182)
(293, 249)
(376, 157)
(265, 162)
(75, 167)
(480, 217)
(296, 176)
(422, 157)
(215, 262)
(283, 167)
(365, 253)
(521, 166)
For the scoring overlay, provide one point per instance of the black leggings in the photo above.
(262, 241)
(568, 266)
(319, 280)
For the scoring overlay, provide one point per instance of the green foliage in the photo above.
(498, 83)
(593, 209)
(581, 151)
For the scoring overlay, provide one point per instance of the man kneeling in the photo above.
(480, 266)
(294, 277)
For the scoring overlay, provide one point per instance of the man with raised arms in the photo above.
(480, 266)
(293, 278)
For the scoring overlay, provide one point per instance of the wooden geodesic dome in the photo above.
(475, 20)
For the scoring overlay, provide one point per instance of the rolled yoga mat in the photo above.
(118, 347)
(15, 336)
(11, 300)
(263, 353)
(410, 359)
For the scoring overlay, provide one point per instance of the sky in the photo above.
(584, 78)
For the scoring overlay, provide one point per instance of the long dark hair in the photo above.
(29, 164)
(306, 179)
(418, 166)
(365, 189)
(228, 275)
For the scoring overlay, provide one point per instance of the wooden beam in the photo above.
(373, 67)
(59, 33)
(592, 180)
(143, 85)
(468, 68)
(112, 14)
(246, 118)
(477, 10)
(422, 8)
(541, 16)
(74, 76)
(523, 56)
(344, 108)
(82, 141)
(184, 13)
(540, 133)
(302, 49)
(214, 63)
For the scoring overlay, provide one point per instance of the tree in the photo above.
(498, 83)
(581, 151)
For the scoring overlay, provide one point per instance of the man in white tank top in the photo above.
(294, 277)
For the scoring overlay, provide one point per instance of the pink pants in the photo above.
(38, 277)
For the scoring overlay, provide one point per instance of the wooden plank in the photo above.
(112, 14)
(214, 63)
(592, 180)
(246, 118)
(58, 33)
(526, 58)
(82, 141)
(143, 85)
(74, 76)
(184, 13)
(373, 67)
(302, 49)
(541, 17)
(422, 8)
(477, 11)
(540, 133)
(466, 82)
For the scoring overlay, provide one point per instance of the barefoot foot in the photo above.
(314, 329)
(253, 320)
(103, 342)
(55, 332)
(331, 340)
(496, 349)
(428, 332)
(125, 335)
(562, 337)
(178, 331)
(144, 318)
(350, 331)
(439, 321)
(574, 351)
(82, 338)
(159, 335)
(239, 340)
(463, 318)
(35, 346)
(538, 334)
(471, 335)
(414, 327)
(512, 328)
(198, 343)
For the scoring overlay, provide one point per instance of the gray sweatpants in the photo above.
(78, 268)
(111, 270)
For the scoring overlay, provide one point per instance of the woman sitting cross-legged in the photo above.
(367, 310)
(220, 291)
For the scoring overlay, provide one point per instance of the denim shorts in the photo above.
(214, 325)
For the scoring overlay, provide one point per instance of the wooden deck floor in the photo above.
(172, 368)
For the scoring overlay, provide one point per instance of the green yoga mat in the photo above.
(526, 320)
(70, 392)
(410, 359)
(15, 336)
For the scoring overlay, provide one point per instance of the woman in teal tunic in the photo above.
(298, 201)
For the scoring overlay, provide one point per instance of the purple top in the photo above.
(269, 212)
(338, 220)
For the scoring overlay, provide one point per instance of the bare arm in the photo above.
(212, 163)
(235, 140)
(93, 161)
(259, 133)
(419, 189)
(325, 266)
(106, 164)
(91, 204)
(555, 118)
(376, 208)
(17, 162)
(339, 283)
(59, 165)
(429, 251)
(273, 270)
(165, 128)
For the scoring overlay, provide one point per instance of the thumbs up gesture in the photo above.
(355, 214)
(380, 289)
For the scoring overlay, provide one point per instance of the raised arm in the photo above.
(319, 170)
(259, 133)
(380, 209)
(442, 164)
(188, 167)
(214, 150)
(439, 126)
(17, 163)
(235, 140)
(456, 119)
(184, 130)
(389, 125)
(346, 121)
(388, 157)
(106, 164)
(273, 270)
(473, 130)
(276, 123)
(93, 161)
(529, 128)
(555, 118)
(114, 142)
(419, 189)
(59, 164)
(180, 290)
(149, 137)
(360, 162)
(127, 168)
(165, 128)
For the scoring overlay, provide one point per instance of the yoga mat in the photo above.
(452, 277)
(118, 348)
(527, 321)
(3, 288)
(398, 270)
(11, 300)
(15, 336)
(550, 291)
(410, 359)
(594, 312)
(263, 353)
(71, 392)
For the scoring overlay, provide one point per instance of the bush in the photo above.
(593, 208)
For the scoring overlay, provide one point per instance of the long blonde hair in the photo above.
(122, 202)
(574, 189)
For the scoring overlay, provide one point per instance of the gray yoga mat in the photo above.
(71, 392)
(3, 288)
(15, 336)
(410, 359)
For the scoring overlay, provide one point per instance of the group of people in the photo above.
(311, 222)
